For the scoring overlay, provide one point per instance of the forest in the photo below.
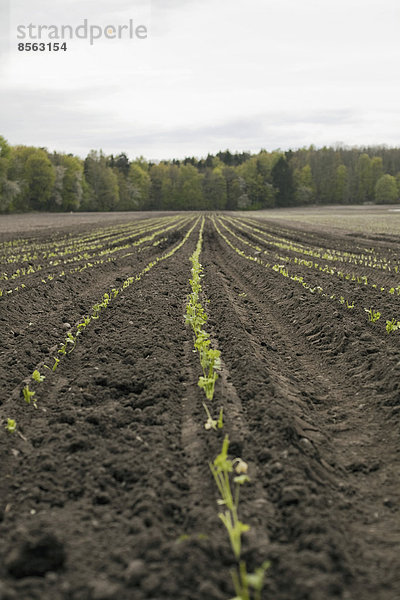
(34, 179)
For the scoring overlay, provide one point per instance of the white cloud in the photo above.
(234, 73)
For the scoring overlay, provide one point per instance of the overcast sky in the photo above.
(211, 75)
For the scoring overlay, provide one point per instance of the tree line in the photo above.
(33, 179)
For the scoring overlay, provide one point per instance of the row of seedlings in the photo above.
(229, 475)
(69, 343)
(353, 276)
(391, 324)
(87, 260)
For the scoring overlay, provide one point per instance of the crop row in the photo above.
(30, 248)
(54, 254)
(391, 283)
(23, 243)
(391, 324)
(196, 317)
(87, 261)
(229, 475)
(68, 344)
(368, 258)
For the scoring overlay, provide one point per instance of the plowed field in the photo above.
(105, 487)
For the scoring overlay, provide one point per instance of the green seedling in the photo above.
(227, 473)
(70, 339)
(373, 315)
(392, 325)
(208, 385)
(84, 324)
(245, 582)
(222, 469)
(213, 423)
(11, 426)
(63, 350)
(28, 396)
(220, 422)
(210, 362)
(36, 376)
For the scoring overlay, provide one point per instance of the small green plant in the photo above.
(36, 376)
(373, 315)
(211, 363)
(220, 422)
(227, 472)
(28, 395)
(392, 325)
(84, 324)
(244, 582)
(63, 350)
(213, 423)
(186, 537)
(70, 339)
(11, 426)
(221, 468)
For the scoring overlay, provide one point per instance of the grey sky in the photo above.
(238, 74)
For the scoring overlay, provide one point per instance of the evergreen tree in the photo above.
(282, 179)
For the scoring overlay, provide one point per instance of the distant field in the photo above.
(367, 219)
(42, 222)
(143, 327)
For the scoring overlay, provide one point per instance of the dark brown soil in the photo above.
(106, 493)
